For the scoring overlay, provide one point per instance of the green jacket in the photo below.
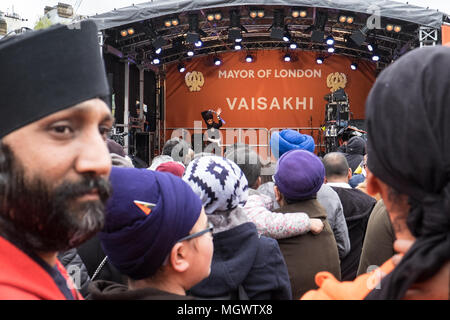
(308, 254)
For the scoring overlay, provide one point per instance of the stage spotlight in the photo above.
(193, 34)
(234, 34)
(171, 22)
(190, 53)
(375, 57)
(359, 36)
(370, 47)
(342, 19)
(330, 49)
(350, 19)
(318, 28)
(389, 27)
(217, 61)
(298, 12)
(158, 42)
(286, 37)
(330, 40)
(249, 58)
(287, 57)
(319, 60)
(256, 13)
(293, 45)
(237, 46)
(130, 31)
(156, 61)
(198, 43)
(123, 33)
(181, 68)
(210, 17)
(353, 66)
(235, 31)
(218, 16)
(158, 51)
(397, 29)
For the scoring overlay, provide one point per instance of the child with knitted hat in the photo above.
(245, 265)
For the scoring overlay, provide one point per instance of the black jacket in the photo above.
(207, 115)
(76, 270)
(356, 148)
(357, 208)
(107, 290)
(92, 255)
(242, 257)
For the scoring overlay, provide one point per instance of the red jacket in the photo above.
(21, 278)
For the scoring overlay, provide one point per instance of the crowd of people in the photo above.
(79, 221)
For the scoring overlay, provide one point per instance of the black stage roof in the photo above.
(369, 26)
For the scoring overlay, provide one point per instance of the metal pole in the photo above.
(141, 94)
(126, 105)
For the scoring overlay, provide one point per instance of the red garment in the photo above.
(21, 278)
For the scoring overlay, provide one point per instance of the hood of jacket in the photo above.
(356, 145)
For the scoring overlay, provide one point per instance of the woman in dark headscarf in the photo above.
(409, 104)
(407, 117)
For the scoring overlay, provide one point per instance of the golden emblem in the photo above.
(194, 80)
(336, 81)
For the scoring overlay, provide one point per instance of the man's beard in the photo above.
(40, 218)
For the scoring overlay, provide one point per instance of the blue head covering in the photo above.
(286, 140)
(146, 215)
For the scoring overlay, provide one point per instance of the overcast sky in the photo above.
(33, 9)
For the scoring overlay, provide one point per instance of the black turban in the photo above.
(407, 119)
(49, 70)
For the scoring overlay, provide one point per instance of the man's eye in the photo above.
(104, 131)
(62, 129)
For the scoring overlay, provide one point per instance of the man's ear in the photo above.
(373, 184)
(349, 174)
(257, 183)
(278, 195)
(178, 257)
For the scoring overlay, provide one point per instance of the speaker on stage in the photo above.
(142, 146)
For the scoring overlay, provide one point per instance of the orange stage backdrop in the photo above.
(268, 93)
(445, 35)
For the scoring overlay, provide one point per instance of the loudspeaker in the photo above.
(142, 146)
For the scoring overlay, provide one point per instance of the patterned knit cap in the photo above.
(219, 182)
